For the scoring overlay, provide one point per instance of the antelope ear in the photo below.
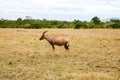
(44, 32)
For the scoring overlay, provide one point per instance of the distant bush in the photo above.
(76, 24)
(27, 25)
(115, 25)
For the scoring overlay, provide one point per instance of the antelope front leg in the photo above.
(53, 47)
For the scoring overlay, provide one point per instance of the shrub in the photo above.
(27, 25)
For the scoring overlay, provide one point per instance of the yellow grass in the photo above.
(94, 55)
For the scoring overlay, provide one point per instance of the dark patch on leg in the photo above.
(66, 46)
(53, 47)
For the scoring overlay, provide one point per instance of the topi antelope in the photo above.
(55, 41)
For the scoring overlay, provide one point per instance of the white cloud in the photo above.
(59, 9)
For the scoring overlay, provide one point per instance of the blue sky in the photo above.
(59, 9)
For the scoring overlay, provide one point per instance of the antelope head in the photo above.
(43, 35)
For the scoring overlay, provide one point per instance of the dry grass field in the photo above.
(94, 55)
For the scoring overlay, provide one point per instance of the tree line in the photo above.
(44, 23)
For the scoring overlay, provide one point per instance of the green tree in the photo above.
(96, 20)
(19, 19)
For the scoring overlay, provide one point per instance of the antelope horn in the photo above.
(44, 32)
